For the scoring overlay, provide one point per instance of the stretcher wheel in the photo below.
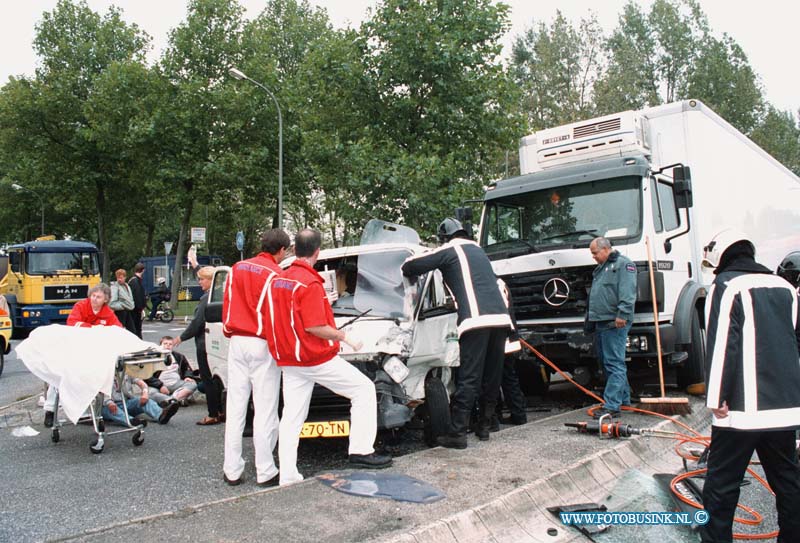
(137, 439)
(96, 447)
(56, 436)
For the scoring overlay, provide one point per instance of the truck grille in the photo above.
(528, 293)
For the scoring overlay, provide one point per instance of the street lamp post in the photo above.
(241, 75)
(41, 200)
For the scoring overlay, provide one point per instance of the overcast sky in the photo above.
(765, 29)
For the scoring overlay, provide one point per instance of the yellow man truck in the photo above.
(42, 279)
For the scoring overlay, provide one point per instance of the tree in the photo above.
(778, 133)
(556, 69)
(193, 122)
(722, 78)
(630, 80)
(439, 104)
(48, 127)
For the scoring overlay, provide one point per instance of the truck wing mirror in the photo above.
(464, 216)
(464, 213)
(682, 186)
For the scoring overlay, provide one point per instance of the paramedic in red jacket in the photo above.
(94, 310)
(250, 364)
(303, 338)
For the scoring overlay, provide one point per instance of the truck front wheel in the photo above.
(693, 369)
(534, 379)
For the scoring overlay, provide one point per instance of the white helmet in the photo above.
(712, 253)
(161, 280)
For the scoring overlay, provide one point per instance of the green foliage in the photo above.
(630, 80)
(779, 134)
(402, 119)
(54, 127)
(556, 68)
(723, 79)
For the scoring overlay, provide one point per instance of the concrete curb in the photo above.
(521, 516)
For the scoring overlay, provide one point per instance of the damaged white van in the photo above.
(409, 336)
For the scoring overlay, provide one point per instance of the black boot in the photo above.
(484, 425)
(457, 437)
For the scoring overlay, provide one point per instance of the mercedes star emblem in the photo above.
(556, 292)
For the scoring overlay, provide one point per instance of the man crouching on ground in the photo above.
(304, 341)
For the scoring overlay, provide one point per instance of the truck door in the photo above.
(667, 221)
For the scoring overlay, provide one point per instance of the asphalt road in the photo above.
(55, 491)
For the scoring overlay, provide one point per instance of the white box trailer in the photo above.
(676, 174)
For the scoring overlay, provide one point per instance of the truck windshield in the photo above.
(566, 215)
(62, 263)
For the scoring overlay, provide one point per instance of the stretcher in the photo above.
(140, 365)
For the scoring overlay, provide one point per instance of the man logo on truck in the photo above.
(556, 292)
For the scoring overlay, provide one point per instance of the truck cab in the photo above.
(659, 183)
(45, 278)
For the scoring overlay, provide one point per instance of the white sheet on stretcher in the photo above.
(79, 361)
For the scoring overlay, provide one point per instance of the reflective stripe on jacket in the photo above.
(245, 292)
(468, 274)
(752, 360)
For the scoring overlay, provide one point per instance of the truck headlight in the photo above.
(395, 368)
(637, 343)
(26, 314)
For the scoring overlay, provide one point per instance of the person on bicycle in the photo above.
(160, 294)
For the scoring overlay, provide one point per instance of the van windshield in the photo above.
(570, 215)
(62, 263)
(369, 281)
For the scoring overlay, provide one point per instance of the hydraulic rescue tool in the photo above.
(612, 430)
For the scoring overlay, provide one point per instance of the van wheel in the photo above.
(534, 379)
(693, 369)
(437, 412)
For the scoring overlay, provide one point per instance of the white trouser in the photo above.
(251, 367)
(50, 398)
(340, 377)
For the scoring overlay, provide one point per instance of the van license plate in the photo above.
(333, 428)
(64, 311)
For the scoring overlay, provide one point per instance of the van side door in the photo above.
(216, 342)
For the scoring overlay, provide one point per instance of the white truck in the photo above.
(676, 174)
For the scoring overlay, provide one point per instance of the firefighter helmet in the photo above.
(449, 228)
(724, 240)
(789, 268)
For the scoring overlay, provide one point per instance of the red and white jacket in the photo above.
(297, 301)
(83, 315)
(245, 292)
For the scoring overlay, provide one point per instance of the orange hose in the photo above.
(697, 438)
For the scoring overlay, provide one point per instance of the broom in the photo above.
(662, 405)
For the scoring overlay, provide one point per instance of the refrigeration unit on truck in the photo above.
(676, 174)
(44, 279)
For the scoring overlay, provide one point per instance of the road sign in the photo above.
(198, 235)
(167, 247)
(239, 240)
